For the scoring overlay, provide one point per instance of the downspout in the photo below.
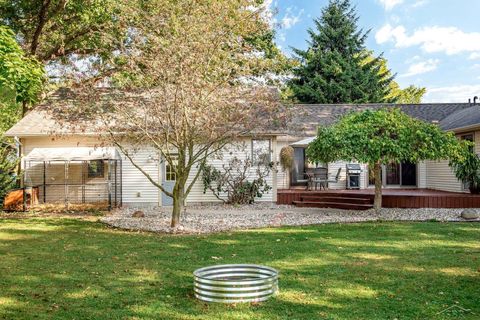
(18, 146)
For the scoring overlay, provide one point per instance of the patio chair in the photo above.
(336, 178)
(309, 176)
(320, 177)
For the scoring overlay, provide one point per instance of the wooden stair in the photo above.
(335, 200)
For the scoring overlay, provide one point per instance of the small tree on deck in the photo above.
(381, 137)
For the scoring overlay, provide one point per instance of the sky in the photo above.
(429, 43)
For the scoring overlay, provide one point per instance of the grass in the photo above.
(76, 269)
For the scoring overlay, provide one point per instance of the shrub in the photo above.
(233, 184)
(467, 170)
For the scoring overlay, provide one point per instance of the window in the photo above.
(170, 174)
(95, 169)
(260, 151)
(468, 137)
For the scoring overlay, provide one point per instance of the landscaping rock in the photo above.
(138, 214)
(216, 218)
(470, 214)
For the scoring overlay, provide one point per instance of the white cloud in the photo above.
(290, 19)
(413, 59)
(390, 4)
(394, 18)
(449, 40)
(458, 93)
(420, 3)
(421, 67)
(474, 56)
(269, 12)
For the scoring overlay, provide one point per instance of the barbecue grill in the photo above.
(353, 175)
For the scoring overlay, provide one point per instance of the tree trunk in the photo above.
(178, 203)
(377, 204)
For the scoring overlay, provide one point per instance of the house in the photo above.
(460, 118)
(76, 167)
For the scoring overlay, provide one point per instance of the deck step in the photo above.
(335, 205)
(336, 199)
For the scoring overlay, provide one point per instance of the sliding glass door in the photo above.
(396, 174)
(392, 173)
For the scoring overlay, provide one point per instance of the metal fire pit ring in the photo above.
(232, 283)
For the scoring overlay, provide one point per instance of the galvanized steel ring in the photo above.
(232, 283)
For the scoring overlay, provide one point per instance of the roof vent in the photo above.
(475, 100)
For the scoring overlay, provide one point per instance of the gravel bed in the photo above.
(216, 218)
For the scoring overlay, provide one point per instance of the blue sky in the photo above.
(430, 43)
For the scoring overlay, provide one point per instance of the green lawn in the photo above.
(73, 269)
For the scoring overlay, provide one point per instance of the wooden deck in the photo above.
(391, 198)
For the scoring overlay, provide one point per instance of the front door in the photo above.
(168, 180)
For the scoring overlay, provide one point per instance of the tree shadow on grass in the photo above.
(67, 269)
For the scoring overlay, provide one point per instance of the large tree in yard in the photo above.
(188, 86)
(54, 29)
(21, 81)
(379, 137)
(77, 40)
(334, 68)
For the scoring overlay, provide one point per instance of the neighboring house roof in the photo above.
(306, 118)
(465, 119)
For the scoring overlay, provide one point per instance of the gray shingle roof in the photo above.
(464, 118)
(307, 117)
(301, 120)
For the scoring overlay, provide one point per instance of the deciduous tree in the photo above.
(381, 137)
(21, 80)
(55, 29)
(189, 86)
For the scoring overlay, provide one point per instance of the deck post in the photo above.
(65, 184)
(84, 165)
(44, 182)
(116, 163)
(109, 178)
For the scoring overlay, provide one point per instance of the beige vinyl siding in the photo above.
(342, 181)
(422, 175)
(440, 177)
(477, 142)
(241, 150)
(136, 188)
(332, 171)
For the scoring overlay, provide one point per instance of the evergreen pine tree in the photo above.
(335, 68)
